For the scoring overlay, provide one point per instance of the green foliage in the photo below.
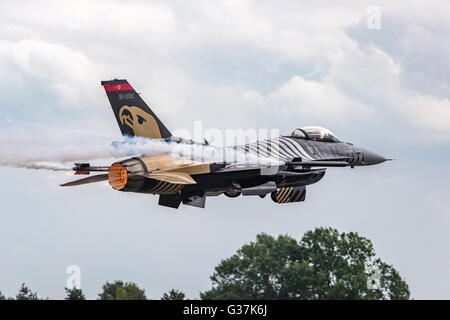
(173, 295)
(118, 290)
(2, 297)
(74, 294)
(26, 294)
(322, 265)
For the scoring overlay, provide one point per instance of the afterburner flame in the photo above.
(117, 176)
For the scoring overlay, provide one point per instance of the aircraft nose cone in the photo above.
(371, 158)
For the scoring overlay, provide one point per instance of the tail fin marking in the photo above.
(133, 115)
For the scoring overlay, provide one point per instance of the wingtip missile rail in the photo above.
(85, 168)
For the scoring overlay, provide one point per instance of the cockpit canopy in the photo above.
(315, 133)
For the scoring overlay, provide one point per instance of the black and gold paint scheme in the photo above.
(150, 174)
(139, 122)
(181, 180)
(134, 116)
(289, 194)
(163, 187)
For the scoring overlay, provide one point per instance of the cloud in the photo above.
(309, 99)
(320, 65)
(414, 34)
(373, 77)
(52, 67)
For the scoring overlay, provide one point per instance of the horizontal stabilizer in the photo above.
(171, 177)
(98, 178)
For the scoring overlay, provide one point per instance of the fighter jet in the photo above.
(303, 154)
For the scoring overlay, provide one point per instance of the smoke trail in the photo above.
(201, 153)
(25, 143)
(46, 166)
(35, 146)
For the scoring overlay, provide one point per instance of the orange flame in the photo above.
(117, 176)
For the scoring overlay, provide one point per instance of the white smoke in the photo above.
(35, 146)
(45, 165)
(31, 145)
(197, 152)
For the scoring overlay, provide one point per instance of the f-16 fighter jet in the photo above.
(303, 154)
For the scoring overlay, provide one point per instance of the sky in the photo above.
(375, 73)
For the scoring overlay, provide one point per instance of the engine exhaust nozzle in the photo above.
(117, 176)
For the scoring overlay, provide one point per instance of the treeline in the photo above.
(323, 264)
(117, 290)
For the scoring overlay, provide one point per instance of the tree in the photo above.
(322, 265)
(2, 297)
(173, 295)
(74, 294)
(118, 290)
(26, 294)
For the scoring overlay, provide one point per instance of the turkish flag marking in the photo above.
(118, 87)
